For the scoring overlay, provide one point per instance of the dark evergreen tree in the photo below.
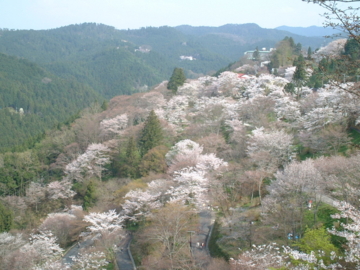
(309, 53)
(300, 73)
(352, 49)
(177, 79)
(297, 49)
(6, 218)
(299, 76)
(90, 197)
(151, 135)
(104, 105)
(131, 160)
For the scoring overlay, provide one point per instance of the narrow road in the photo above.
(123, 257)
(199, 239)
(75, 250)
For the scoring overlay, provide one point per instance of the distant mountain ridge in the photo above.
(243, 37)
(311, 31)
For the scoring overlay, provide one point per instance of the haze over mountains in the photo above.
(101, 62)
(311, 31)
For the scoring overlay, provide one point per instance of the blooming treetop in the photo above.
(277, 143)
(106, 222)
(114, 125)
(91, 163)
(60, 189)
(42, 247)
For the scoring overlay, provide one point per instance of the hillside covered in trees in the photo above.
(70, 67)
(272, 153)
(34, 100)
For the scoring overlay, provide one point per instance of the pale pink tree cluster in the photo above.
(60, 189)
(192, 186)
(51, 265)
(351, 231)
(229, 84)
(10, 242)
(333, 49)
(153, 100)
(289, 193)
(174, 112)
(185, 150)
(271, 256)
(276, 143)
(91, 261)
(320, 117)
(89, 164)
(114, 125)
(42, 247)
(107, 222)
(191, 176)
(60, 225)
(261, 257)
(35, 193)
(139, 203)
(287, 109)
(190, 89)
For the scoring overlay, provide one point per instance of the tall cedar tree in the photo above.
(300, 73)
(132, 160)
(151, 135)
(177, 79)
(90, 197)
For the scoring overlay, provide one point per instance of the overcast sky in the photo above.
(133, 14)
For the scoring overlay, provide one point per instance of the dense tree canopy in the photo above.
(151, 135)
(177, 79)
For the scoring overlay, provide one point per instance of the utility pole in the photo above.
(190, 243)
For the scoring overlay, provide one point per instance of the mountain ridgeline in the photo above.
(52, 74)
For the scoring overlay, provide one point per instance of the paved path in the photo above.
(199, 239)
(75, 250)
(123, 257)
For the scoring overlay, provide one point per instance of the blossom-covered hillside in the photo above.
(267, 163)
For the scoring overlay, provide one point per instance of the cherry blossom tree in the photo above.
(114, 125)
(260, 257)
(60, 225)
(350, 231)
(277, 143)
(60, 189)
(8, 244)
(42, 247)
(35, 193)
(284, 207)
(89, 164)
(139, 203)
(104, 222)
(93, 260)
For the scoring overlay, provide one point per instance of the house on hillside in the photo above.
(184, 57)
(264, 54)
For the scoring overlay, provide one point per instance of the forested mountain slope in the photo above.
(32, 100)
(234, 39)
(117, 62)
